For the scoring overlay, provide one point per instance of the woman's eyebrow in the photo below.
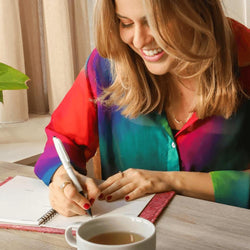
(120, 16)
(144, 18)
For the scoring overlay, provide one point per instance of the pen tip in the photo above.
(89, 213)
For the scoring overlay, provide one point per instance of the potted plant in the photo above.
(11, 79)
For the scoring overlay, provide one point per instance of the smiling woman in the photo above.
(165, 96)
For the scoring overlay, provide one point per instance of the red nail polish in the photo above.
(92, 201)
(109, 197)
(86, 206)
(127, 198)
(101, 196)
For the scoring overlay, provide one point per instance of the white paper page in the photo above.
(102, 208)
(24, 200)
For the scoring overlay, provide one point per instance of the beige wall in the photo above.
(239, 10)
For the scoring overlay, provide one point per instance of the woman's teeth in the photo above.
(152, 52)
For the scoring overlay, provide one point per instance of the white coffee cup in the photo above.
(112, 223)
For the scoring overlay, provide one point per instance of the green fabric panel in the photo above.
(231, 187)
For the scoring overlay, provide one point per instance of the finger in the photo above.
(76, 209)
(114, 186)
(73, 195)
(70, 208)
(136, 193)
(61, 204)
(67, 203)
(92, 190)
(121, 193)
(110, 181)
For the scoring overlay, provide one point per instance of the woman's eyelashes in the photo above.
(125, 25)
(129, 24)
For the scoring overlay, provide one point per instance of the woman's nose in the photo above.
(142, 36)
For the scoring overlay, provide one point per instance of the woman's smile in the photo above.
(152, 55)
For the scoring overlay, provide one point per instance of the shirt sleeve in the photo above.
(75, 123)
(232, 187)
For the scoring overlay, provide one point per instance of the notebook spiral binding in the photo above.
(48, 216)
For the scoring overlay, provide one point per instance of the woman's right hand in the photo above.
(67, 200)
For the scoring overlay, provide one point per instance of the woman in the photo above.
(166, 98)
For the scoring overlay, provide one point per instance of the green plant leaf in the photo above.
(11, 78)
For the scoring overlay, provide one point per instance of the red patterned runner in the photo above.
(152, 211)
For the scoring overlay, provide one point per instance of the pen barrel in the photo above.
(66, 162)
(73, 178)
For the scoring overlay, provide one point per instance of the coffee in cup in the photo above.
(113, 232)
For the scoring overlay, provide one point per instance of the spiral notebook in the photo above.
(24, 201)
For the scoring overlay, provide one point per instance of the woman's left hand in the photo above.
(134, 183)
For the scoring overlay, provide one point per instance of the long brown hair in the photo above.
(196, 33)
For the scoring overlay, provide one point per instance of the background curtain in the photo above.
(50, 41)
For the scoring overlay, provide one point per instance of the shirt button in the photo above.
(173, 145)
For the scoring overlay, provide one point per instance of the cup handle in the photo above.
(71, 240)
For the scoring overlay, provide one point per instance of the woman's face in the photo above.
(135, 32)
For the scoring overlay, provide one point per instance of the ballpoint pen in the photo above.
(67, 166)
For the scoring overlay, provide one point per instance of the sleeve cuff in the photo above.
(48, 175)
(231, 187)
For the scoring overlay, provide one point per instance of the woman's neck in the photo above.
(182, 102)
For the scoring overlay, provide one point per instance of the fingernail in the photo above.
(92, 201)
(109, 197)
(101, 196)
(127, 198)
(86, 206)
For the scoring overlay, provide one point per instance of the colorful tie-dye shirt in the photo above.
(215, 145)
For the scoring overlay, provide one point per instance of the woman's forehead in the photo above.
(132, 9)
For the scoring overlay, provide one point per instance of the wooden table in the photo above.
(186, 223)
